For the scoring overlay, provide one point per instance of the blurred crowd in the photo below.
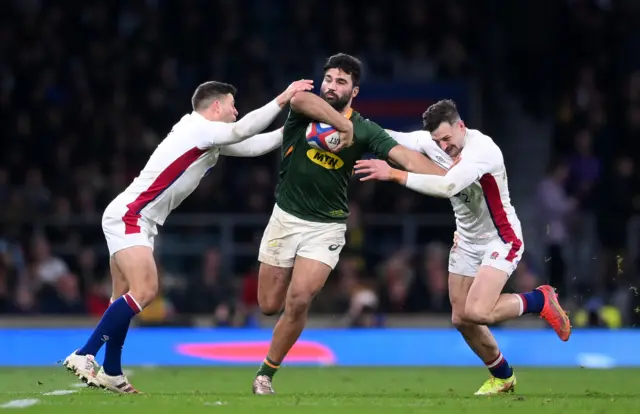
(592, 191)
(87, 90)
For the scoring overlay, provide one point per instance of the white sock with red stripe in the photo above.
(499, 367)
(522, 305)
(132, 302)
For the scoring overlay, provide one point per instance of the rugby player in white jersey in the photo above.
(130, 222)
(489, 237)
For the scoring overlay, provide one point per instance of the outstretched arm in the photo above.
(455, 180)
(254, 122)
(410, 140)
(414, 161)
(255, 146)
(410, 154)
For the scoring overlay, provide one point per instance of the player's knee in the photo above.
(458, 321)
(144, 291)
(477, 315)
(298, 304)
(269, 306)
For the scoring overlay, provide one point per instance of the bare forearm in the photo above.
(316, 108)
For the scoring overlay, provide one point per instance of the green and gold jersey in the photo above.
(313, 183)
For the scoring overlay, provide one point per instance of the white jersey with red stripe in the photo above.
(477, 186)
(185, 156)
(173, 171)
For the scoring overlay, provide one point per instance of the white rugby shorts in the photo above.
(122, 230)
(466, 258)
(288, 236)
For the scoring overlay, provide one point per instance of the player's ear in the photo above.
(355, 91)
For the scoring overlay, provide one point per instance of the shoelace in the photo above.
(263, 382)
(492, 380)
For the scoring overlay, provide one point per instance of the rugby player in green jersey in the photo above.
(302, 242)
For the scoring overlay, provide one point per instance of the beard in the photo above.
(337, 102)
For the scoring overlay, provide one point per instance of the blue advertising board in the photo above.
(343, 347)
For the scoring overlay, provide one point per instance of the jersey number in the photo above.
(463, 196)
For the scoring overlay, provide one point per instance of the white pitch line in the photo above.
(60, 392)
(20, 403)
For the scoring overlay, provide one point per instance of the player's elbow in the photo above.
(298, 101)
(449, 189)
(241, 131)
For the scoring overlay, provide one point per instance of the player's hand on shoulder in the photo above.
(302, 85)
(346, 138)
(373, 170)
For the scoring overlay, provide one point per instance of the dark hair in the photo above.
(208, 92)
(439, 112)
(348, 64)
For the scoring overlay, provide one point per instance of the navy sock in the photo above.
(113, 326)
(500, 368)
(113, 355)
(532, 302)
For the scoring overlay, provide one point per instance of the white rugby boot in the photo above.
(83, 366)
(262, 385)
(115, 383)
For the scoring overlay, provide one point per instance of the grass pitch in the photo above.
(325, 390)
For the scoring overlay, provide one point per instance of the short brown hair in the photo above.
(208, 92)
(439, 112)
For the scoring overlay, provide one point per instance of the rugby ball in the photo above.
(322, 136)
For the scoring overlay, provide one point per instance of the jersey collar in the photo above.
(198, 116)
(349, 113)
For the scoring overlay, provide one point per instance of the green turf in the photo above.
(331, 391)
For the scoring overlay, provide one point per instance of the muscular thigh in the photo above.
(138, 266)
(308, 278)
(486, 289)
(273, 282)
(459, 287)
(119, 282)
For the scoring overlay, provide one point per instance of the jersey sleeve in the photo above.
(376, 139)
(473, 165)
(255, 146)
(221, 133)
(416, 140)
(296, 119)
